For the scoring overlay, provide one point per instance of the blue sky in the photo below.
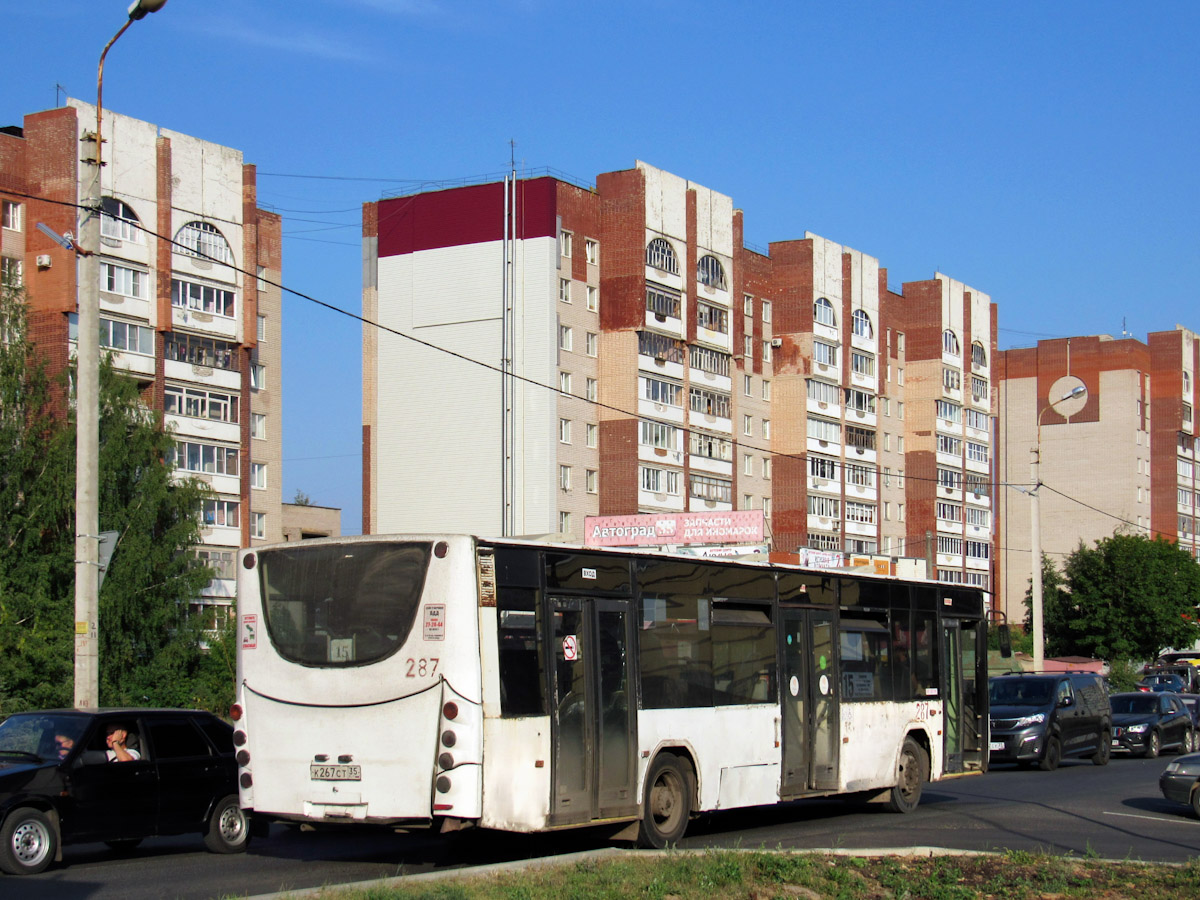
(1044, 153)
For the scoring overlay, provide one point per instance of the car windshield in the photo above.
(1020, 691)
(41, 735)
(1137, 704)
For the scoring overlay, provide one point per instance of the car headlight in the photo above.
(1137, 729)
(1035, 719)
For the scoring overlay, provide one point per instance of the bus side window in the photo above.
(521, 681)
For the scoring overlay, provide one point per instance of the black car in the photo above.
(1192, 703)
(1181, 781)
(1162, 682)
(1044, 718)
(62, 782)
(1145, 724)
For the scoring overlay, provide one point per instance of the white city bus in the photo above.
(451, 681)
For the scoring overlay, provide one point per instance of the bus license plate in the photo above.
(335, 773)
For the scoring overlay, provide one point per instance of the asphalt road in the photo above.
(1114, 811)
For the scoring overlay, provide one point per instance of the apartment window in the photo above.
(591, 343)
(899, 512)
(899, 375)
(564, 290)
(979, 389)
(591, 250)
(261, 272)
(258, 377)
(976, 579)
(949, 478)
(204, 298)
(950, 412)
(822, 467)
(660, 481)
(198, 351)
(662, 302)
(220, 561)
(861, 323)
(203, 240)
(714, 490)
(564, 337)
(591, 481)
(593, 298)
(951, 546)
(766, 507)
(258, 525)
(1183, 467)
(824, 430)
(978, 549)
(766, 428)
(862, 401)
(710, 272)
(258, 426)
(887, 517)
(951, 379)
(1187, 414)
(824, 542)
(824, 392)
(747, 426)
(119, 221)
(661, 256)
(258, 475)
(977, 452)
(122, 280)
(592, 433)
(825, 354)
(978, 355)
(714, 362)
(564, 523)
(823, 312)
(709, 403)
(860, 476)
(747, 464)
(592, 390)
(948, 444)
(564, 239)
(748, 346)
(564, 478)
(862, 364)
(827, 507)
(887, 441)
(886, 404)
(766, 351)
(564, 431)
(12, 271)
(949, 512)
(199, 403)
(766, 467)
(863, 513)
(564, 382)
(766, 310)
(657, 390)
(12, 215)
(714, 318)
(950, 343)
(887, 476)
(747, 305)
(860, 438)
(126, 336)
(747, 501)
(209, 459)
(975, 419)
(746, 386)
(980, 518)
(766, 391)
(219, 511)
(660, 436)
(262, 328)
(710, 446)
(899, 409)
(657, 346)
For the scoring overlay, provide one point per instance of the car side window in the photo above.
(177, 739)
(219, 733)
(1064, 692)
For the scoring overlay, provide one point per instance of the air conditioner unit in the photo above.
(43, 261)
(776, 342)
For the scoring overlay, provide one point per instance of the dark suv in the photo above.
(115, 775)
(1044, 718)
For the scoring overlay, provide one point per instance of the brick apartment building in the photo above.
(1120, 457)
(618, 349)
(201, 338)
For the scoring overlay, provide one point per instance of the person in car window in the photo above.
(63, 745)
(116, 738)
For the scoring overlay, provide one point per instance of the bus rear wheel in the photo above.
(668, 802)
(911, 774)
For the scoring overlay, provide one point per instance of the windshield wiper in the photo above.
(23, 754)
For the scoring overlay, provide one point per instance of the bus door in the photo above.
(810, 704)
(964, 709)
(594, 713)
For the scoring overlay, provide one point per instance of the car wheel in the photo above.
(1103, 752)
(1153, 745)
(228, 827)
(1052, 756)
(911, 775)
(668, 802)
(1196, 801)
(28, 842)
(126, 845)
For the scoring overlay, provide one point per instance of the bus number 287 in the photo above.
(420, 668)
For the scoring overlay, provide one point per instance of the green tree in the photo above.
(151, 650)
(1126, 598)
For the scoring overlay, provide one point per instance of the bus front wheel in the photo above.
(668, 802)
(911, 774)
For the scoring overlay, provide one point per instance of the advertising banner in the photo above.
(733, 527)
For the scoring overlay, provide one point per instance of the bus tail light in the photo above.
(245, 780)
(450, 710)
(243, 758)
(235, 712)
(443, 785)
(239, 738)
(449, 738)
(446, 761)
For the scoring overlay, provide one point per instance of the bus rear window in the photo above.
(346, 604)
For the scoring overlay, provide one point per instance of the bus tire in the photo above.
(911, 773)
(667, 804)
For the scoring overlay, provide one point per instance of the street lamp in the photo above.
(87, 402)
(1035, 532)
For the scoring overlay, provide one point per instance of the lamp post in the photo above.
(87, 402)
(1035, 532)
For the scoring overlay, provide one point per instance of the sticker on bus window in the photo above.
(435, 621)
(249, 632)
(570, 648)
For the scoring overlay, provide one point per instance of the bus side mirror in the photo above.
(1005, 641)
